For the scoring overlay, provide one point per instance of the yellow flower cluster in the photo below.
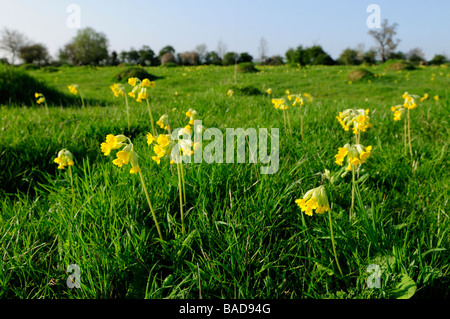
(314, 200)
(65, 158)
(125, 156)
(230, 93)
(356, 155)
(280, 104)
(163, 143)
(163, 122)
(358, 118)
(140, 88)
(118, 89)
(40, 98)
(73, 89)
(408, 104)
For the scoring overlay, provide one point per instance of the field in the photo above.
(244, 235)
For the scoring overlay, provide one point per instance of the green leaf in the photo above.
(405, 289)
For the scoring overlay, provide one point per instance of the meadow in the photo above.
(244, 235)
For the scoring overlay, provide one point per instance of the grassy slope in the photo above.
(246, 237)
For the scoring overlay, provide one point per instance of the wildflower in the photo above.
(133, 81)
(314, 200)
(112, 142)
(193, 115)
(436, 97)
(358, 118)
(64, 159)
(40, 98)
(410, 101)
(118, 89)
(163, 122)
(356, 155)
(230, 93)
(269, 91)
(280, 104)
(424, 97)
(73, 89)
(399, 111)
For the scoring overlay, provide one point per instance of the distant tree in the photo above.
(244, 57)
(213, 58)
(384, 37)
(201, 50)
(399, 55)
(297, 56)
(133, 56)
(369, 57)
(147, 56)
(230, 58)
(438, 59)
(262, 49)
(221, 49)
(34, 54)
(12, 41)
(416, 56)
(123, 57)
(114, 59)
(88, 47)
(274, 60)
(349, 57)
(189, 58)
(168, 58)
(315, 55)
(166, 49)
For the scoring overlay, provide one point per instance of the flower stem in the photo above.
(71, 184)
(409, 134)
(332, 242)
(284, 117)
(405, 138)
(353, 192)
(151, 207)
(301, 126)
(289, 122)
(181, 197)
(151, 117)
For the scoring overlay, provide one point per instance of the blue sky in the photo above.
(240, 24)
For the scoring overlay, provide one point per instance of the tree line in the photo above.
(90, 47)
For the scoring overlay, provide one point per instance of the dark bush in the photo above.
(274, 60)
(246, 90)
(397, 65)
(133, 72)
(247, 67)
(359, 74)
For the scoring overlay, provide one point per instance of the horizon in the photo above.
(239, 24)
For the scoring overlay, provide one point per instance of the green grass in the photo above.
(245, 236)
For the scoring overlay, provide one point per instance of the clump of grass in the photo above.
(398, 65)
(133, 72)
(247, 67)
(359, 74)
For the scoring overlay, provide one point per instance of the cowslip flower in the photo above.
(358, 119)
(410, 101)
(356, 155)
(140, 93)
(118, 89)
(230, 93)
(40, 98)
(125, 156)
(64, 159)
(280, 104)
(399, 111)
(269, 91)
(314, 200)
(73, 89)
(163, 122)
